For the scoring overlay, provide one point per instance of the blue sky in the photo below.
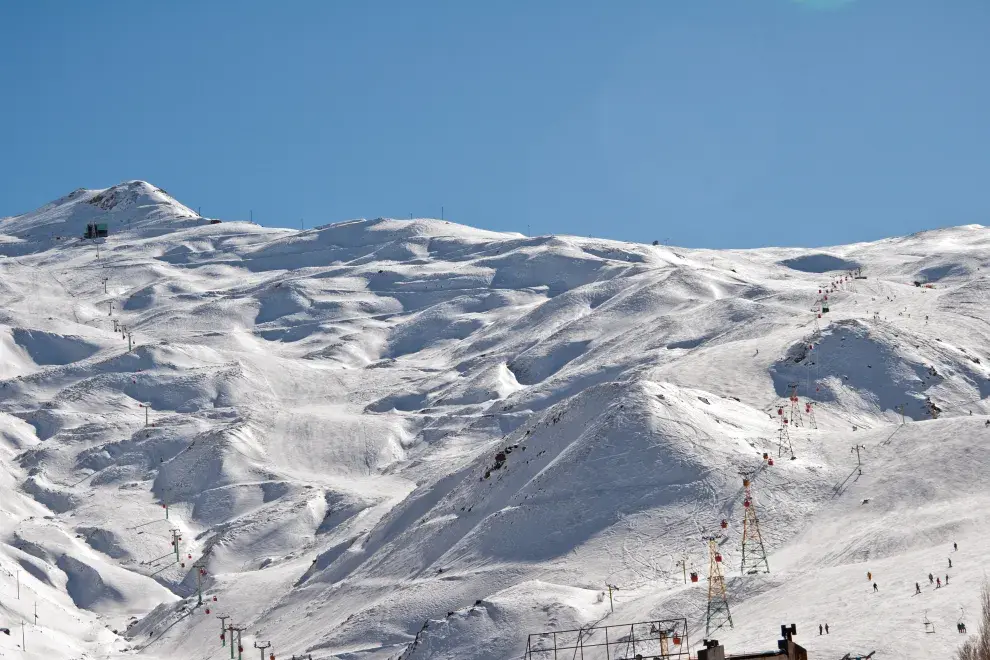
(716, 123)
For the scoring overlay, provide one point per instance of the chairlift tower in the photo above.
(240, 647)
(795, 417)
(784, 435)
(223, 637)
(809, 409)
(754, 553)
(718, 601)
(200, 575)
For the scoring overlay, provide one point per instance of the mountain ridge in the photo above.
(371, 424)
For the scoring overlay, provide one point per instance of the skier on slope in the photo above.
(931, 579)
(819, 630)
(950, 562)
(955, 546)
(917, 588)
(875, 589)
(946, 579)
(938, 583)
(826, 628)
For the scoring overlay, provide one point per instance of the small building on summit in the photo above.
(96, 230)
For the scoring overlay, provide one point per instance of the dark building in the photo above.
(96, 230)
(786, 648)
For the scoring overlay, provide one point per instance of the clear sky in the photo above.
(715, 123)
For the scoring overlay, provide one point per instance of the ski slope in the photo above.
(415, 439)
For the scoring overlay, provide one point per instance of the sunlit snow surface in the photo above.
(373, 425)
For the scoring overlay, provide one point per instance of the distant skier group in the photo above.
(932, 579)
(935, 580)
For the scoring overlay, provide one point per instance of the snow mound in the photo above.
(46, 348)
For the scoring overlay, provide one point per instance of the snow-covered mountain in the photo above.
(415, 439)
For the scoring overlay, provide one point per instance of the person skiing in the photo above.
(869, 576)
(875, 589)
(826, 628)
(938, 583)
(955, 546)
(917, 588)
(950, 562)
(946, 579)
(819, 630)
(931, 579)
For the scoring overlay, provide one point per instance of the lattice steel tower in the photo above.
(718, 601)
(795, 415)
(754, 554)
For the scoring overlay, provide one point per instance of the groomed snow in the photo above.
(414, 439)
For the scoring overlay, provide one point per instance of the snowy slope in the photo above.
(415, 439)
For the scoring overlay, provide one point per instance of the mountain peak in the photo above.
(132, 205)
(136, 194)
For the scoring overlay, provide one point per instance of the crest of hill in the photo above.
(381, 239)
(134, 205)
